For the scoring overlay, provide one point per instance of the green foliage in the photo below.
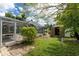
(30, 4)
(18, 17)
(21, 16)
(70, 17)
(29, 32)
(54, 47)
(8, 14)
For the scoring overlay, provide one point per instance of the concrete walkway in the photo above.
(13, 51)
(4, 52)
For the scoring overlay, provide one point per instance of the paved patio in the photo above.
(16, 50)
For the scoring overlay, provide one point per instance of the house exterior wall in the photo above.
(67, 34)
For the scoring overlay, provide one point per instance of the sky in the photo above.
(47, 12)
(16, 8)
(10, 7)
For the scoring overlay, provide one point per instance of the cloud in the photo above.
(2, 14)
(14, 8)
(41, 22)
(20, 8)
(7, 5)
(4, 8)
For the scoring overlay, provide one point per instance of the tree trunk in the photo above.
(77, 35)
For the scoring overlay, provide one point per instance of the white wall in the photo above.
(67, 34)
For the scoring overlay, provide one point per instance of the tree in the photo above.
(8, 14)
(21, 16)
(31, 9)
(69, 18)
(29, 33)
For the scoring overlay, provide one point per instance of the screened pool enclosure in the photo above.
(9, 29)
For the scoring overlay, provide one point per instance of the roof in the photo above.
(11, 19)
(57, 25)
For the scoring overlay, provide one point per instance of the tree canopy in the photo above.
(8, 14)
(21, 16)
(69, 18)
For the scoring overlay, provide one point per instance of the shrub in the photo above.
(29, 33)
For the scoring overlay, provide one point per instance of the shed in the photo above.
(57, 30)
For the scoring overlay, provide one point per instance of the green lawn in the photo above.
(54, 47)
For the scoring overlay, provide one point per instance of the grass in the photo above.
(54, 47)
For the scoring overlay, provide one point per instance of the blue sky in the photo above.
(14, 8)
